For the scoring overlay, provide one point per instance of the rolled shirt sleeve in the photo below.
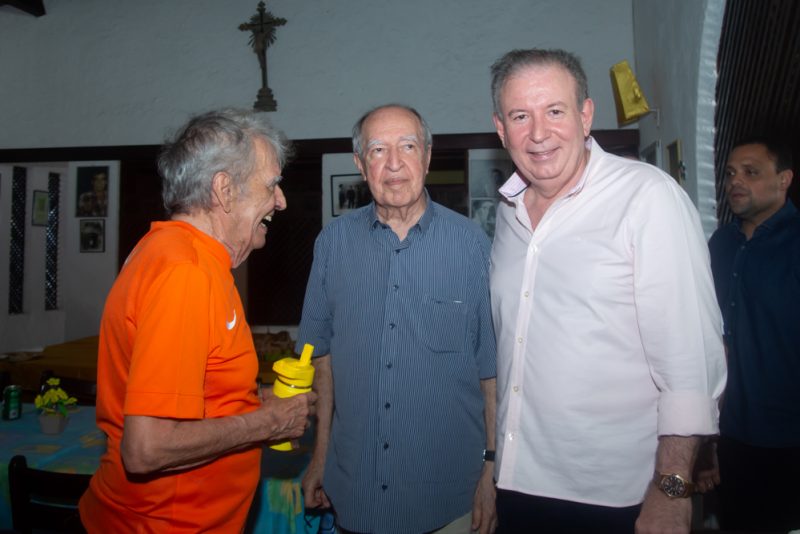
(677, 312)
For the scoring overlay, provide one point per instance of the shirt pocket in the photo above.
(443, 324)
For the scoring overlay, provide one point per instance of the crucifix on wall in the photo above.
(263, 26)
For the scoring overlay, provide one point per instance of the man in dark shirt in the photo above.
(756, 266)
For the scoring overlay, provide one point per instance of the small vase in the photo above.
(52, 423)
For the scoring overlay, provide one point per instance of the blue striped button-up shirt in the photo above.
(408, 327)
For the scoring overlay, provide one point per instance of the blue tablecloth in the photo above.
(76, 450)
(277, 507)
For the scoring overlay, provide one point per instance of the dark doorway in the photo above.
(758, 90)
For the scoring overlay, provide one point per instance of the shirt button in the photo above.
(510, 436)
(385, 446)
(395, 287)
(388, 365)
(391, 326)
(387, 405)
(516, 388)
(733, 304)
(735, 275)
(384, 487)
(526, 294)
(519, 340)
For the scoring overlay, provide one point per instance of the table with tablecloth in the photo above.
(76, 450)
(277, 507)
(78, 359)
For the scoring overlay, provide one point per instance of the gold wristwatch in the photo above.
(673, 485)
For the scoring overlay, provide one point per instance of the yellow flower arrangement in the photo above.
(54, 399)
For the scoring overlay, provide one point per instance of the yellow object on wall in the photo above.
(628, 96)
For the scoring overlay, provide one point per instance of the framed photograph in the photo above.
(41, 207)
(483, 213)
(488, 169)
(92, 192)
(93, 235)
(348, 192)
(652, 154)
(675, 160)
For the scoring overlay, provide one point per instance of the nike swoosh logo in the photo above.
(230, 324)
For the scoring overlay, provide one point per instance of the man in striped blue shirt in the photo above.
(397, 307)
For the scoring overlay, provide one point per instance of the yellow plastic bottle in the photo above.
(294, 377)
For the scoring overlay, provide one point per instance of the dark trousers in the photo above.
(759, 488)
(518, 512)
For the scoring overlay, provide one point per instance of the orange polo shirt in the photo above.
(173, 343)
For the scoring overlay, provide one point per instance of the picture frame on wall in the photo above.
(675, 161)
(652, 154)
(338, 169)
(348, 192)
(40, 208)
(92, 191)
(92, 235)
(487, 170)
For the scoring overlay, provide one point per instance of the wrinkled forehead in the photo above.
(391, 124)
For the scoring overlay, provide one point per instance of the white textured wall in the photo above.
(676, 45)
(107, 72)
(84, 277)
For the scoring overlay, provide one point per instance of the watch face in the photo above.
(673, 486)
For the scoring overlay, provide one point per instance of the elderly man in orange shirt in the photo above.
(177, 393)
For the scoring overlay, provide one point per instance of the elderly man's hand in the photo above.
(287, 418)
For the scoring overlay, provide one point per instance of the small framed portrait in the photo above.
(93, 235)
(40, 209)
(348, 192)
(92, 192)
(675, 160)
(484, 212)
(488, 169)
(652, 154)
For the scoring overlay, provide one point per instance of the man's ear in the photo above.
(359, 165)
(222, 190)
(500, 127)
(786, 179)
(587, 116)
(428, 155)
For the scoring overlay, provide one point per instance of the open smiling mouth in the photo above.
(266, 220)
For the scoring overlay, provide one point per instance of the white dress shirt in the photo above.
(608, 332)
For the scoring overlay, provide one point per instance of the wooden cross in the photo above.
(263, 25)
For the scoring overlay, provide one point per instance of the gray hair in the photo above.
(517, 60)
(358, 141)
(217, 141)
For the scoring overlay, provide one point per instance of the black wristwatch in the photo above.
(488, 456)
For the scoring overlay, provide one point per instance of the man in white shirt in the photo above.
(610, 356)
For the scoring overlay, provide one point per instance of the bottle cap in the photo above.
(297, 370)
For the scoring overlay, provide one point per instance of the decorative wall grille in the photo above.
(51, 245)
(16, 253)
